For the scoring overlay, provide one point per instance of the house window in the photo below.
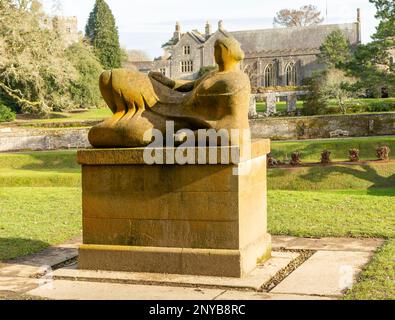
(187, 66)
(187, 50)
(290, 72)
(270, 76)
(162, 71)
(68, 30)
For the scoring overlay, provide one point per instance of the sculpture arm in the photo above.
(178, 85)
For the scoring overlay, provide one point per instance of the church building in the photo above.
(274, 57)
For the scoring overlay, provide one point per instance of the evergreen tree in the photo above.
(102, 33)
(335, 50)
(371, 63)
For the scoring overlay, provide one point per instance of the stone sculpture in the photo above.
(142, 103)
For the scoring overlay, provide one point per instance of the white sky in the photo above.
(147, 24)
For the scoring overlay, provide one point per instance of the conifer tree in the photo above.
(335, 50)
(102, 32)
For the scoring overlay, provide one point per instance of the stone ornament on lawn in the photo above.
(354, 155)
(271, 161)
(383, 153)
(143, 103)
(326, 157)
(296, 158)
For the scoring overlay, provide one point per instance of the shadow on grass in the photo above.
(13, 248)
(61, 161)
(368, 173)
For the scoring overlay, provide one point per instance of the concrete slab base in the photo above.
(324, 276)
(75, 290)
(326, 273)
(254, 281)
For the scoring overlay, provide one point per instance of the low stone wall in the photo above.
(17, 139)
(359, 125)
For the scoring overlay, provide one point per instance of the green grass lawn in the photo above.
(372, 176)
(311, 149)
(40, 169)
(58, 117)
(281, 106)
(31, 219)
(40, 205)
(328, 213)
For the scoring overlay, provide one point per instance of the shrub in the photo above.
(6, 114)
(315, 102)
(271, 161)
(381, 106)
(34, 71)
(85, 90)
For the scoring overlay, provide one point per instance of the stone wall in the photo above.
(16, 139)
(359, 125)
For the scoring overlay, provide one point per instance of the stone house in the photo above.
(274, 57)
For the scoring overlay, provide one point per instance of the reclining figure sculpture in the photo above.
(141, 103)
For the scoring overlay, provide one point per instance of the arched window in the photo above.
(269, 76)
(290, 72)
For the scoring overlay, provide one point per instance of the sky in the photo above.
(147, 24)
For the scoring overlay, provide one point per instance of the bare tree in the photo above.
(138, 55)
(305, 16)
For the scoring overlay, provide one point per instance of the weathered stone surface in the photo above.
(326, 273)
(74, 290)
(16, 139)
(271, 104)
(253, 281)
(327, 244)
(17, 284)
(134, 156)
(291, 102)
(141, 103)
(240, 296)
(205, 262)
(36, 264)
(321, 126)
(358, 125)
(166, 208)
(252, 113)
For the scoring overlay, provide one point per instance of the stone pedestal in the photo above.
(271, 104)
(252, 113)
(196, 219)
(291, 102)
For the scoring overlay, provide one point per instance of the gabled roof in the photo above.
(292, 39)
(197, 36)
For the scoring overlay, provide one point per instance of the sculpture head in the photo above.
(228, 53)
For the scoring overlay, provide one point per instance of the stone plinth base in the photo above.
(195, 219)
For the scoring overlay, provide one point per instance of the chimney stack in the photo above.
(220, 25)
(208, 30)
(177, 32)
